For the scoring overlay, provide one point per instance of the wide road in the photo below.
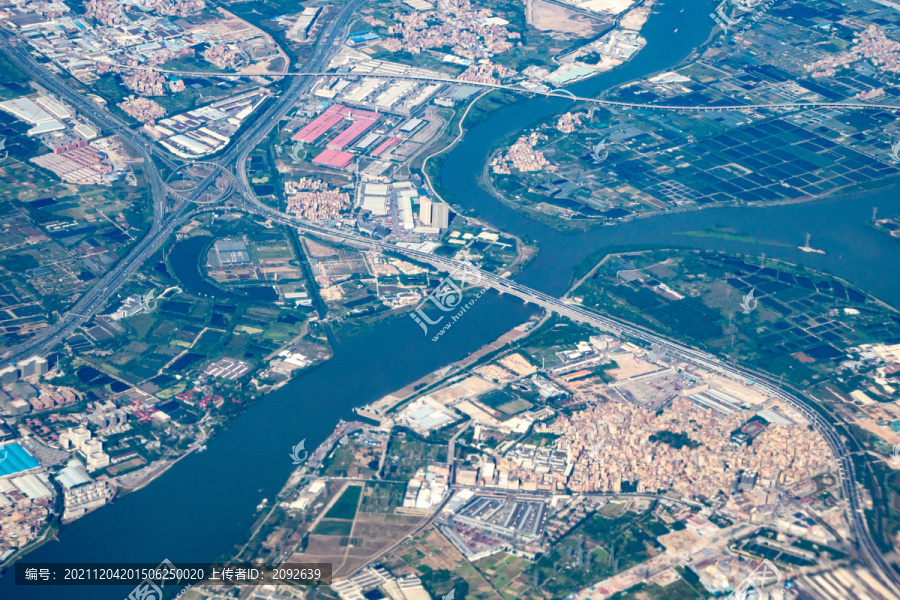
(162, 224)
(869, 552)
(556, 93)
(110, 123)
(331, 38)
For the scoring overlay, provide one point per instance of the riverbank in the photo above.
(378, 410)
(207, 502)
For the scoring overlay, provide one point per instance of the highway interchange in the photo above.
(167, 216)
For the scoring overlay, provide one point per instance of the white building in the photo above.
(83, 499)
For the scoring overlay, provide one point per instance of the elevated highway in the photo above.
(869, 552)
(165, 221)
(557, 93)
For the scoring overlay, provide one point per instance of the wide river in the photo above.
(205, 504)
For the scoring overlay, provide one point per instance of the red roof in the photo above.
(333, 115)
(383, 146)
(350, 134)
(333, 158)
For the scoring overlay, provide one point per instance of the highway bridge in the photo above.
(805, 406)
(167, 218)
(557, 93)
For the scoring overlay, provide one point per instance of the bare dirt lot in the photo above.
(371, 534)
(549, 17)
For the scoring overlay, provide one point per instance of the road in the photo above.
(865, 544)
(164, 222)
(557, 93)
(108, 285)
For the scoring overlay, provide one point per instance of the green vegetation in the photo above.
(326, 527)
(506, 401)
(341, 462)
(18, 263)
(543, 439)
(439, 583)
(382, 497)
(13, 82)
(406, 453)
(721, 234)
(676, 440)
(721, 521)
(191, 63)
(598, 548)
(345, 507)
(556, 334)
(679, 590)
(108, 87)
(798, 326)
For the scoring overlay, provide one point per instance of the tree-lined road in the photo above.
(167, 218)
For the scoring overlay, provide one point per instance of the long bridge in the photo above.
(557, 93)
(166, 219)
(863, 540)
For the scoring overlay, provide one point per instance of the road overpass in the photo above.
(164, 224)
(869, 552)
(557, 93)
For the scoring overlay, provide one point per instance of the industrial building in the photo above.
(434, 213)
(337, 159)
(361, 121)
(375, 198)
(304, 24)
(17, 460)
(228, 252)
(26, 110)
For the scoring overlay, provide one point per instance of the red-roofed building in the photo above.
(334, 114)
(383, 146)
(337, 159)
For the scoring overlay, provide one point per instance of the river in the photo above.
(205, 504)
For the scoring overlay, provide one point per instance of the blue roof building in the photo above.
(16, 459)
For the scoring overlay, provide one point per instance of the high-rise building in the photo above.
(74, 438)
(34, 366)
(425, 211)
(440, 215)
(8, 375)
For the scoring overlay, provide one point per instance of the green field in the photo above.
(514, 407)
(596, 549)
(345, 507)
(382, 497)
(405, 454)
(680, 590)
(326, 527)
